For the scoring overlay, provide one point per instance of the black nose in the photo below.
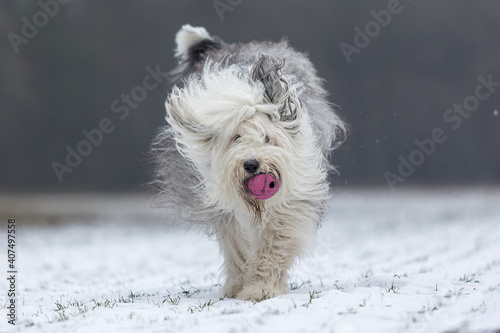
(251, 166)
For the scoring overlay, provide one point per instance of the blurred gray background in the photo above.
(62, 68)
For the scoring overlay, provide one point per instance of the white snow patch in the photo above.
(412, 261)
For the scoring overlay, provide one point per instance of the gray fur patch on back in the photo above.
(174, 177)
(177, 184)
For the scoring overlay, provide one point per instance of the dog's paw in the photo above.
(231, 289)
(260, 291)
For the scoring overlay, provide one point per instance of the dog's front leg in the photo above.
(235, 250)
(278, 244)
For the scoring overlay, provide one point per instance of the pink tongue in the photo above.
(263, 186)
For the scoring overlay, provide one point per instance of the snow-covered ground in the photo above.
(409, 261)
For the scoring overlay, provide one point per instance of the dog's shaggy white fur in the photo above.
(235, 103)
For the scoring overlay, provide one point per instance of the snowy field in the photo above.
(409, 261)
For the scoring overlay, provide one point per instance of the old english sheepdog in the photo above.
(247, 152)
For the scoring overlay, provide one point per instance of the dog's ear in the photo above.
(181, 116)
(277, 89)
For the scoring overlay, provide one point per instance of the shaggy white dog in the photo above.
(246, 152)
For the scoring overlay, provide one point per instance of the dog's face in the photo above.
(258, 146)
(233, 127)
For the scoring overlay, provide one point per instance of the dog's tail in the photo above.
(193, 44)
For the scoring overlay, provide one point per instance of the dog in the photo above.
(247, 152)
